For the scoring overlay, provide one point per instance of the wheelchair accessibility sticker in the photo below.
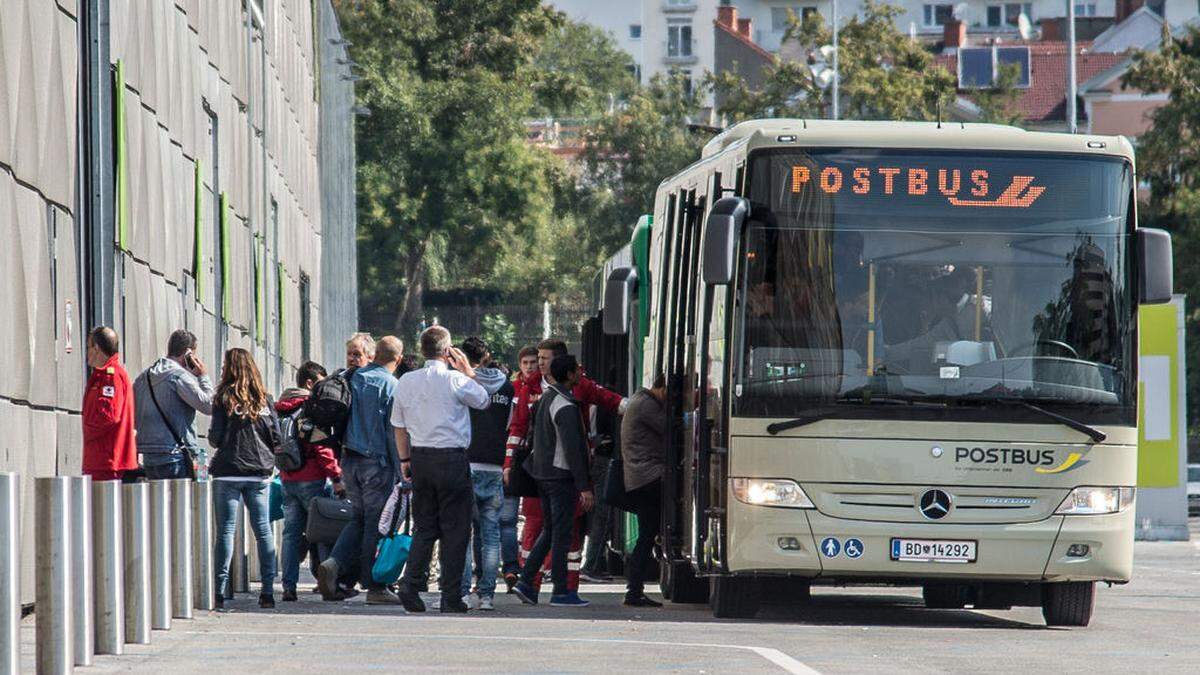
(854, 548)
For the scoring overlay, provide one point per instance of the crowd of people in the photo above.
(456, 432)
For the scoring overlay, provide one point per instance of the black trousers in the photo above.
(558, 517)
(441, 508)
(648, 500)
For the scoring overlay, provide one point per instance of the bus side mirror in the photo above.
(1154, 261)
(618, 300)
(720, 238)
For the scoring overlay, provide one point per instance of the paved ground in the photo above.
(1149, 625)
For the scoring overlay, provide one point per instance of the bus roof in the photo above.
(944, 135)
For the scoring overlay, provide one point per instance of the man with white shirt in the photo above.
(431, 416)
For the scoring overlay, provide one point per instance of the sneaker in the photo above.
(486, 604)
(266, 601)
(640, 600)
(510, 580)
(451, 606)
(471, 600)
(594, 577)
(346, 592)
(568, 599)
(289, 595)
(327, 575)
(382, 596)
(525, 593)
(411, 600)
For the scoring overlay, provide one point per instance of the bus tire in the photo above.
(734, 597)
(795, 590)
(680, 585)
(944, 596)
(1068, 603)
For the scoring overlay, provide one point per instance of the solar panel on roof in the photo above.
(974, 68)
(1019, 56)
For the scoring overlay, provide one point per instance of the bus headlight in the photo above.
(1093, 501)
(770, 492)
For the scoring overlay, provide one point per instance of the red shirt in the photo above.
(319, 461)
(586, 392)
(108, 443)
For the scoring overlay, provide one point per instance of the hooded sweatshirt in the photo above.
(181, 395)
(488, 426)
(319, 461)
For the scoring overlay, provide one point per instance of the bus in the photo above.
(896, 353)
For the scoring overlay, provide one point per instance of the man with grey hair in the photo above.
(167, 396)
(430, 413)
(360, 349)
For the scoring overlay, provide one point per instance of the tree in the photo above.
(583, 73)
(998, 103)
(884, 75)
(443, 166)
(1169, 159)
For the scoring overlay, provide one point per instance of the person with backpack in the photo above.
(369, 472)
(245, 433)
(316, 464)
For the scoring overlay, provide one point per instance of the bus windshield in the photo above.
(895, 281)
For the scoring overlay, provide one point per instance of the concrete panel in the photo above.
(33, 20)
(69, 57)
(55, 72)
(9, 41)
(69, 442)
(70, 340)
(11, 303)
(36, 300)
(152, 225)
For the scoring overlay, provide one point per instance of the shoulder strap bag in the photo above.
(180, 445)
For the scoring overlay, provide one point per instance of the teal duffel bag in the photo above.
(392, 553)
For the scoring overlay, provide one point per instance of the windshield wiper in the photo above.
(1095, 434)
(776, 427)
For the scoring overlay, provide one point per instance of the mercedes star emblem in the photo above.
(935, 504)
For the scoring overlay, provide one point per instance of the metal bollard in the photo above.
(136, 551)
(238, 583)
(52, 574)
(109, 576)
(160, 555)
(181, 548)
(202, 546)
(10, 573)
(81, 569)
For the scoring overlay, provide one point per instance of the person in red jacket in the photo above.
(300, 486)
(108, 445)
(587, 393)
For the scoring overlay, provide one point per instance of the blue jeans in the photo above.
(369, 482)
(176, 467)
(228, 496)
(508, 534)
(296, 496)
(489, 499)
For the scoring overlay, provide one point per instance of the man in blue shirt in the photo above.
(368, 474)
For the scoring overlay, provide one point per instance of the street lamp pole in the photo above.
(1071, 116)
(836, 73)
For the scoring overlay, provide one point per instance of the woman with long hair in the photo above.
(245, 432)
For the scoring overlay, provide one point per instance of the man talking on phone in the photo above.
(167, 396)
(431, 416)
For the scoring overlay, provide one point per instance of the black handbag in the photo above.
(520, 483)
(614, 493)
(327, 517)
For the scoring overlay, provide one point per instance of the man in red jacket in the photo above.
(108, 445)
(587, 393)
(301, 485)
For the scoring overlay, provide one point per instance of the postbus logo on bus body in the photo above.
(960, 187)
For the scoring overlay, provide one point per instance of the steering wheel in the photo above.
(1053, 343)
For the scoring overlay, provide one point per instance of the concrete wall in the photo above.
(202, 87)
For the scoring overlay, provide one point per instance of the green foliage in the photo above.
(998, 103)
(583, 72)
(884, 74)
(501, 336)
(1169, 159)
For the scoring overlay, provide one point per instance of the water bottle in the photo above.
(201, 464)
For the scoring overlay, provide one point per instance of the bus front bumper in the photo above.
(789, 541)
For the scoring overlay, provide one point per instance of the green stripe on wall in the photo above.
(122, 158)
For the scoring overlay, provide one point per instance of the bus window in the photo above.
(668, 235)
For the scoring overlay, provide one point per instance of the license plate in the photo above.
(933, 550)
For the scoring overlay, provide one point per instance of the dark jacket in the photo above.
(560, 447)
(244, 447)
(490, 425)
(643, 440)
(319, 459)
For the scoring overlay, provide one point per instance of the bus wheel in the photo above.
(733, 597)
(795, 590)
(944, 596)
(679, 583)
(1068, 603)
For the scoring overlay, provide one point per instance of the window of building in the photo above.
(977, 66)
(635, 70)
(1085, 9)
(685, 77)
(781, 15)
(1007, 14)
(679, 39)
(938, 13)
(635, 31)
(305, 317)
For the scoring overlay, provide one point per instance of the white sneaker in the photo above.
(471, 600)
(485, 604)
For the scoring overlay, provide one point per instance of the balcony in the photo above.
(678, 7)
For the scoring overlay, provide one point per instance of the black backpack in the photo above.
(289, 456)
(328, 406)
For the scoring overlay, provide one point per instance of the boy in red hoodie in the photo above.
(300, 486)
